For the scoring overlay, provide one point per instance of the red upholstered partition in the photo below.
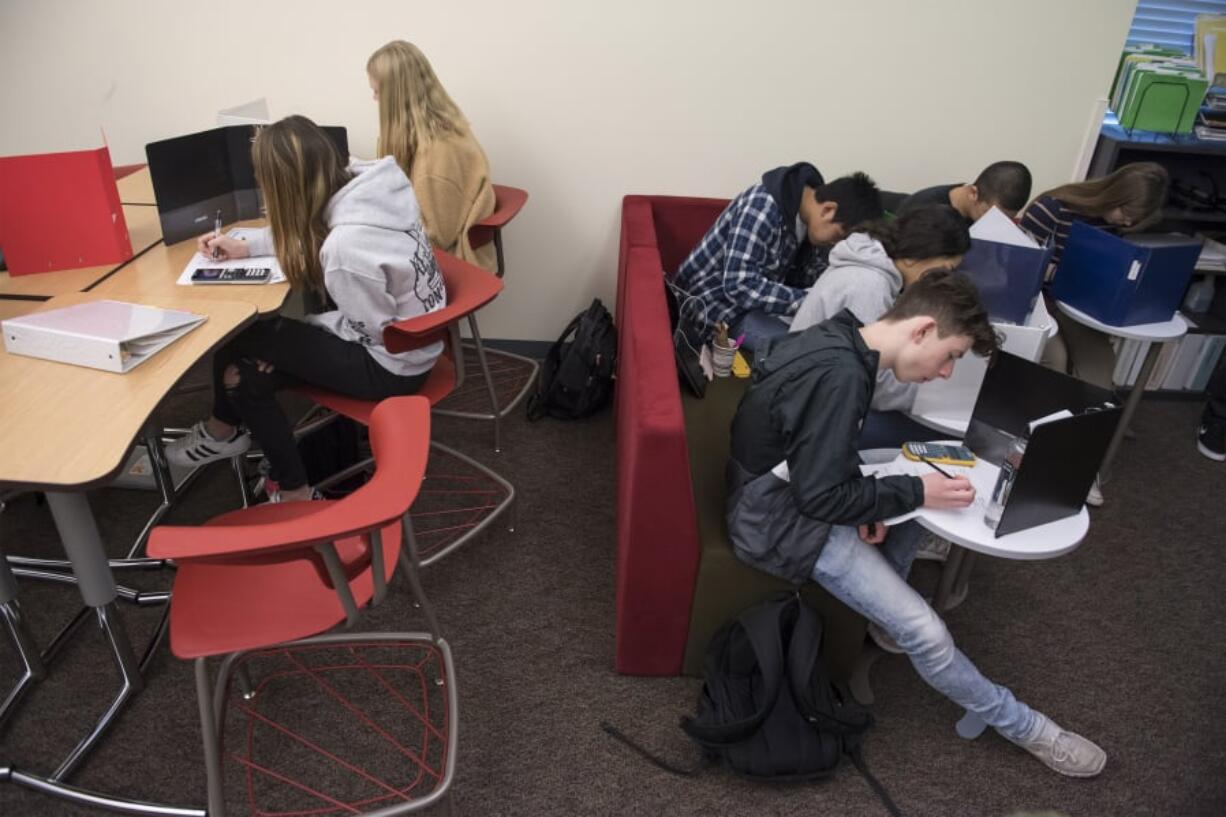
(657, 532)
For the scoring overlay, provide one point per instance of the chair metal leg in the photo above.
(212, 743)
(411, 564)
(496, 416)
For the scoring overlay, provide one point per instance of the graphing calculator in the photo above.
(231, 275)
(939, 453)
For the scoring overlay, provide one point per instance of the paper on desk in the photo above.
(996, 226)
(252, 262)
(901, 466)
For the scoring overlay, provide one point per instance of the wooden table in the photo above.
(65, 428)
(144, 230)
(156, 273)
(137, 188)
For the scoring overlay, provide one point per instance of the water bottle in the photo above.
(1009, 467)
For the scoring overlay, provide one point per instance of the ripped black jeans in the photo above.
(300, 354)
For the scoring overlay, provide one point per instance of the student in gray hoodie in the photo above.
(352, 236)
(867, 272)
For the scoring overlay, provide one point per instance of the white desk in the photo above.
(1157, 334)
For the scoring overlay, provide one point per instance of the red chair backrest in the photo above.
(508, 201)
(468, 289)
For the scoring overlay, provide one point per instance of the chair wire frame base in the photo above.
(265, 738)
(502, 388)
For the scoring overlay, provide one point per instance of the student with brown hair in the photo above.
(1128, 200)
(353, 234)
(423, 128)
(799, 507)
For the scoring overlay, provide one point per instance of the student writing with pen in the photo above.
(353, 234)
(800, 508)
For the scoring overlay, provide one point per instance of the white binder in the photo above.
(109, 335)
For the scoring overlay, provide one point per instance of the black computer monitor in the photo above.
(197, 175)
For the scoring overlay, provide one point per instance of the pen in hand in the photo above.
(217, 233)
(939, 469)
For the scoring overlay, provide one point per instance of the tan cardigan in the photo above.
(451, 178)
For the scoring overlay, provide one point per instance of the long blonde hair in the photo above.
(1137, 189)
(299, 169)
(414, 108)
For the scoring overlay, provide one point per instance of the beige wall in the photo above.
(583, 102)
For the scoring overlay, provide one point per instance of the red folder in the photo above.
(61, 211)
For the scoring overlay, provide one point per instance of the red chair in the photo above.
(508, 201)
(468, 289)
(263, 582)
(514, 375)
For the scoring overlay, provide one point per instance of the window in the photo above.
(1170, 22)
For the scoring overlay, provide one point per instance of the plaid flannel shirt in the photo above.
(743, 262)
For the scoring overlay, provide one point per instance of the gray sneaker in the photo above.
(1065, 752)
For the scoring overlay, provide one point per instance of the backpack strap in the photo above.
(615, 733)
(857, 759)
(804, 651)
(763, 626)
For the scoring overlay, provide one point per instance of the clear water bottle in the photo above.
(1009, 467)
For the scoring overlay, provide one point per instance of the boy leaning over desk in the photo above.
(800, 508)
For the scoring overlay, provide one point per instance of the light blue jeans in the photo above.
(871, 579)
(758, 326)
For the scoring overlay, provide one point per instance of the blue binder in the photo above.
(1125, 281)
(1008, 277)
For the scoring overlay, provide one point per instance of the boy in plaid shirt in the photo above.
(767, 247)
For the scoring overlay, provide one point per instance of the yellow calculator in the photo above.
(939, 453)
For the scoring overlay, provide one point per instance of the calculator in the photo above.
(939, 453)
(231, 275)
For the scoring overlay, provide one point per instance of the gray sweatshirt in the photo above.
(377, 262)
(862, 278)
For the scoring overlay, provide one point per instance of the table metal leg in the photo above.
(949, 575)
(1130, 407)
(79, 534)
(33, 669)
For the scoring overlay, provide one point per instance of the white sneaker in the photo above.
(1065, 752)
(1095, 498)
(199, 447)
(933, 548)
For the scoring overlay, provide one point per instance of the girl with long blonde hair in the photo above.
(350, 235)
(423, 128)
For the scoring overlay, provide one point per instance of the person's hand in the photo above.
(944, 492)
(872, 533)
(263, 366)
(224, 246)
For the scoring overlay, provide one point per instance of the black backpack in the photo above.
(767, 709)
(577, 376)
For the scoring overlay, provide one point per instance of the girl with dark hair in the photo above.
(353, 233)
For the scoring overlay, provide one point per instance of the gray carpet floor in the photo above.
(1121, 640)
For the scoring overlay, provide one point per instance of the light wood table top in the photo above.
(15, 309)
(64, 426)
(144, 230)
(156, 274)
(137, 188)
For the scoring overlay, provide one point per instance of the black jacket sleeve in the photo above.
(819, 414)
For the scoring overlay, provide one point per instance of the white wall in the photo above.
(583, 102)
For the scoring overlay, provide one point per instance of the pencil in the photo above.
(939, 469)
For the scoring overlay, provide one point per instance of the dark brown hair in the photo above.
(950, 299)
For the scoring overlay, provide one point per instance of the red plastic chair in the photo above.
(468, 289)
(277, 575)
(508, 201)
(515, 374)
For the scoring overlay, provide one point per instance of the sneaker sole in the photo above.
(1067, 773)
(1216, 456)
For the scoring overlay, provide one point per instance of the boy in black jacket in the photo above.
(799, 507)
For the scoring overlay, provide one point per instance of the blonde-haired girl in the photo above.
(422, 127)
(353, 234)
